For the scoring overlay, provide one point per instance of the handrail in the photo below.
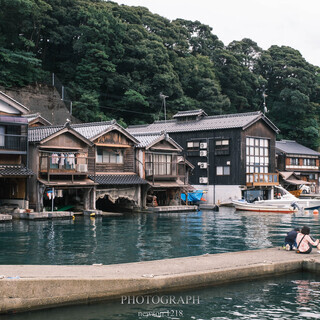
(262, 179)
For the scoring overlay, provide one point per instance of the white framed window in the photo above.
(222, 147)
(193, 145)
(223, 170)
(257, 157)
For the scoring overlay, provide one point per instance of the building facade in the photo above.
(160, 162)
(84, 167)
(304, 162)
(233, 155)
(14, 164)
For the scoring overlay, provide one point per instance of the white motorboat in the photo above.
(285, 197)
(243, 205)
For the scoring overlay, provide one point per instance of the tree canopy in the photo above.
(115, 60)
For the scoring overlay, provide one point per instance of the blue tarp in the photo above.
(193, 196)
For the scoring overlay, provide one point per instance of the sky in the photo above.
(294, 23)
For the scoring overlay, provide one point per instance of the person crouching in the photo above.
(305, 242)
(290, 240)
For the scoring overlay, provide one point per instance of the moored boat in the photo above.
(242, 205)
(286, 198)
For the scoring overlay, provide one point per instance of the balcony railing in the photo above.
(13, 143)
(65, 164)
(161, 169)
(262, 179)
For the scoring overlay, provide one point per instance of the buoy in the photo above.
(315, 211)
(73, 217)
(92, 214)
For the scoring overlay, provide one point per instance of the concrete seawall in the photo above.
(29, 287)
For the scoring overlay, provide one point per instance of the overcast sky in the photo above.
(294, 23)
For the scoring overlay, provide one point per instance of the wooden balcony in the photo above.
(262, 179)
(53, 164)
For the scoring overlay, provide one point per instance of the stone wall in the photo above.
(43, 99)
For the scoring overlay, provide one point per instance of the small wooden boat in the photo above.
(242, 205)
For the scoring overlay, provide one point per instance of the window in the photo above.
(294, 161)
(223, 171)
(193, 145)
(2, 137)
(313, 176)
(309, 162)
(162, 164)
(257, 155)
(221, 147)
(109, 156)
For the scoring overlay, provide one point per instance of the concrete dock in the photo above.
(29, 287)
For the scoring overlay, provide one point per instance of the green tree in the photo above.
(293, 98)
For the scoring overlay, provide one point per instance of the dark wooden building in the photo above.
(14, 169)
(233, 155)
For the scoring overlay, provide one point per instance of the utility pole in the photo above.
(163, 99)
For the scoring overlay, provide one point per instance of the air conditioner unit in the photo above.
(203, 153)
(203, 180)
(203, 165)
(203, 145)
(82, 167)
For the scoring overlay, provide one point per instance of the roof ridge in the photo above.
(146, 133)
(46, 127)
(234, 115)
(89, 124)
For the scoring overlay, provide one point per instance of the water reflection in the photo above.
(130, 238)
(278, 298)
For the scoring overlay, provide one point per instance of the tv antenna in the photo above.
(163, 99)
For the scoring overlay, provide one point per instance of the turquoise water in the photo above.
(129, 238)
(141, 237)
(294, 297)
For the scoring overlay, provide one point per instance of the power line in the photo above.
(122, 110)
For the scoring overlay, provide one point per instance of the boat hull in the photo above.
(260, 208)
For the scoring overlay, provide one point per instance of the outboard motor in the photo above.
(294, 205)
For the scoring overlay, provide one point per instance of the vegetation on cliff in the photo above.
(115, 60)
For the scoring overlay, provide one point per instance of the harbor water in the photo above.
(141, 237)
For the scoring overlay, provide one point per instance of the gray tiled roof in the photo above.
(147, 139)
(39, 133)
(189, 113)
(34, 116)
(88, 130)
(116, 179)
(91, 130)
(293, 147)
(239, 120)
(14, 170)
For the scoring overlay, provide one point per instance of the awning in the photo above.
(297, 181)
(118, 179)
(15, 170)
(113, 194)
(291, 178)
(86, 183)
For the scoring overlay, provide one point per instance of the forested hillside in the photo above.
(115, 60)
